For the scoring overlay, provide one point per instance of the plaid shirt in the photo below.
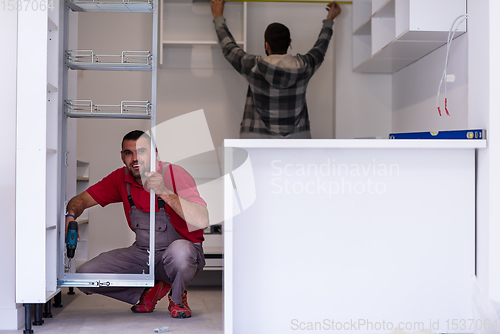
(276, 99)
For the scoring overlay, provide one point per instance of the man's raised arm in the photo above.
(316, 55)
(237, 57)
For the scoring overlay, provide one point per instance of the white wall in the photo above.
(494, 154)
(414, 91)
(304, 22)
(99, 140)
(11, 315)
(363, 101)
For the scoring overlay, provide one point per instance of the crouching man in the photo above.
(181, 216)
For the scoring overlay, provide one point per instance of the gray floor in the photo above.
(96, 314)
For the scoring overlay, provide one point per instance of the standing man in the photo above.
(181, 216)
(276, 99)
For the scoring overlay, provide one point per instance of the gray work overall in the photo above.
(177, 260)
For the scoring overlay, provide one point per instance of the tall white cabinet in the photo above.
(42, 155)
(38, 155)
(38, 167)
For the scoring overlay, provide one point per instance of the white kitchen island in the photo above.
(359, 236)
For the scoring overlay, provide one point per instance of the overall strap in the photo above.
(161, 202)
(129, 197)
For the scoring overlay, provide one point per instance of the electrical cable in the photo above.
(451, 34)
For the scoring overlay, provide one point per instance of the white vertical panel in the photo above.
(31, 156)
(383, 32)
(362, 102)
(494, 156)
(479, 117)
(228, 241)
(402, 16)
(361, 12)
(376, 4)
(10, 315)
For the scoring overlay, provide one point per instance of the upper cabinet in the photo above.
(391, 34)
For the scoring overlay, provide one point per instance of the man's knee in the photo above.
(181, 253)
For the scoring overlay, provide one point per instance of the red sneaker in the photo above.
(181, 310)
(150, 297)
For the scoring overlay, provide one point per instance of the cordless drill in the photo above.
(71, 239)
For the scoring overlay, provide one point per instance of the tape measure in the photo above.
(291, 1)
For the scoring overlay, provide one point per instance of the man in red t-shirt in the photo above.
(181, 216)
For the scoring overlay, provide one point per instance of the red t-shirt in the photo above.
(113, 189)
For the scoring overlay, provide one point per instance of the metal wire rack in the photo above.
(126, 109)
(126, 61)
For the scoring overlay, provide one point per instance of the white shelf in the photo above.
(82, 168)
(383, 65)
(111, 6)
(84, 217)
(191, 43)
(213, 268)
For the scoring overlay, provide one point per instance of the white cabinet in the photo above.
(391, 34)
(38, 160)
(188, 38)
(357, 245)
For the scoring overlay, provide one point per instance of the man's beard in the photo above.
(137, 174)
